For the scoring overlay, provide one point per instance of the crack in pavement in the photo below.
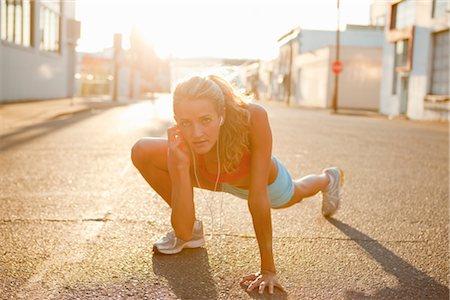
(101, 219)
(131, 221)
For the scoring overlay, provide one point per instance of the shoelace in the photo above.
(168, 236)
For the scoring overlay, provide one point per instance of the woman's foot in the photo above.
(331, 195)
(170, 244)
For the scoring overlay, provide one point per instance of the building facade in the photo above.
(303, 74)
(359, 82)
(37, 49)
(122, 74)
(415, 81)
(94, 75)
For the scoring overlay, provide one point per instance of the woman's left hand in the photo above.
(262, 280)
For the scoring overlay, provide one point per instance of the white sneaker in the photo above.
(332, 194)
(170, 244)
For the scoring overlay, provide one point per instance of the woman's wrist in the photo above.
(178, 172)
(269, 271)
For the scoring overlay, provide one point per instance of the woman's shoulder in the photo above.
(257, 112)
(256, 107)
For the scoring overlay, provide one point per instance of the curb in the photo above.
(23, 115)
(85, 108)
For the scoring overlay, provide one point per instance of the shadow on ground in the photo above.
(23, 135)
(188, 273)
(412, 283)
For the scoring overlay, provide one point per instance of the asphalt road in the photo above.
(78, 221)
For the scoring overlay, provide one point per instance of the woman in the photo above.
(222, 143)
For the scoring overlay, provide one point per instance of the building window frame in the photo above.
(16, 25)
(406, 60)
(396, 15)
(435, 91)
(50, 26)
(402, 64)
(394, 34)
(439, 9)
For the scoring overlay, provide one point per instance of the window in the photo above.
(439, 8)
(50, 25)
(403, 14)
(401, 61)
(440, 64)
(16, 22)
(401, 54)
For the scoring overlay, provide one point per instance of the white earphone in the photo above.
(216, 183)
(221, 121)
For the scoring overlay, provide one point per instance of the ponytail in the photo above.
(234, 133)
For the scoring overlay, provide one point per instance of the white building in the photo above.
(304, 70)
(37, 49)
(415, 80)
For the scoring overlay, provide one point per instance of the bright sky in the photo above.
(213, 28)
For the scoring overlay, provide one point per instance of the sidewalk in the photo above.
(341, 111)
(13, 115)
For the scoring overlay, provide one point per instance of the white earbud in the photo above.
(221, 121)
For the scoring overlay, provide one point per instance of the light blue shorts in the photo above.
(280, 191)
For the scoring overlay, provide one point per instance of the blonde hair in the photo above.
(234, 133)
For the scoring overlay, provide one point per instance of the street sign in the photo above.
(337, 67)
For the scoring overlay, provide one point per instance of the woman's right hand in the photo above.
(179, 153)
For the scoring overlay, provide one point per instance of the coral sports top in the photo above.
(242, 171)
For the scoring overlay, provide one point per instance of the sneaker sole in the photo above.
(341, 186)
(191, 244)
(342, 176)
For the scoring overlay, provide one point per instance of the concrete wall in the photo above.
(28, 73)
(32, 75)
(310, 77)
(389, 103)
(418, 77)
(378, 12)
(359, 83)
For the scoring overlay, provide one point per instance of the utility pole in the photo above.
(289, 81)
(336, 74)
(116, 58)
(135, 49)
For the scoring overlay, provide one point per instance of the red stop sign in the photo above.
(337, 67)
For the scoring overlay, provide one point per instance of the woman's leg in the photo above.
(310, 185)
(306, 187)
(149, 156)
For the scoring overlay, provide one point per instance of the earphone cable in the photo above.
(215, 187)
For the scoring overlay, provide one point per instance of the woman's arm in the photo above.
(258, 201)
(182, 203)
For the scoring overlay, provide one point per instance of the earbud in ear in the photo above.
(221, 121)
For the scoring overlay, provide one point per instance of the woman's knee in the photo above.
(149, 150)
(138, 152)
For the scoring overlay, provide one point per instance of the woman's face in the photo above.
(199, 123)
